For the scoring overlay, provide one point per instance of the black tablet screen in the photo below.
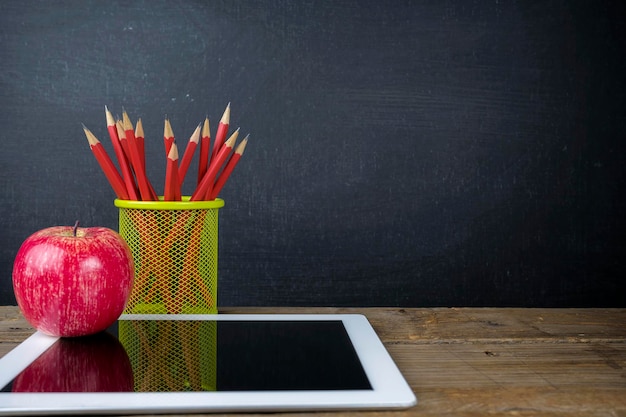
(197, 355)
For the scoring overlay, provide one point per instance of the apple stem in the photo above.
(76, 227)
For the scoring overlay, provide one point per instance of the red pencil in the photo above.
(122, 160)
(188, 155)
(205, 145)
(222, 130)
(228, 169)
(116, 181)
(172, 187)
(140, 173)
(204, 188)
(141, 147)
(139, 139)
(168, 136)
(124, 143)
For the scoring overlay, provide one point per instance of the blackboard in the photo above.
(402, 153)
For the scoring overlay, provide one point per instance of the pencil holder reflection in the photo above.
(171, 355)
(175, 250)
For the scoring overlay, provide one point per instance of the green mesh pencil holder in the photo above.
(174, 247)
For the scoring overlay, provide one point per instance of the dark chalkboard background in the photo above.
(402, 153)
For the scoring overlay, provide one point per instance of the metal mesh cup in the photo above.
(174, 247)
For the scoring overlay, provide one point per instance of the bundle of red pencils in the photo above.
(130, 182)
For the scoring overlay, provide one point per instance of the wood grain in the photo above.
(481, 361)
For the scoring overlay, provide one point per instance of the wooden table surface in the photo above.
(481, 361)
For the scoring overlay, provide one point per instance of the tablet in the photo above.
(204, 364)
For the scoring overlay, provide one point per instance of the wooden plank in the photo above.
(497, 365)
(504, 325)
(13, 328)
(478, 324)
(480, 361)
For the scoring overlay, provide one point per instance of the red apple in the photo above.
(97, 363)
(72, 281)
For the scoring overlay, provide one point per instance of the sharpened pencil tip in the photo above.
(173, 153)
(195, 136)
(128, 125)
(206, 130)
(226, 116)
(91, 138)
(231, 141)
(242, 145)
(167, 129)
(109, 116)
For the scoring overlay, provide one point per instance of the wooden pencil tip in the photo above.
(167, 129)
(121, 134)
(206, 130)
(128, 125)
(231, 140)
(195, 136)
(91, 138)
(242, 145)
(226, 116)
(109, 116)
(173, 154)
(139, 129)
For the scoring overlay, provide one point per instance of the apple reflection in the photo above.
(96, 363)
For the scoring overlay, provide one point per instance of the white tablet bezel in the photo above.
(389, 388)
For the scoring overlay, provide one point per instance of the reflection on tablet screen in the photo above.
(170, 356)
